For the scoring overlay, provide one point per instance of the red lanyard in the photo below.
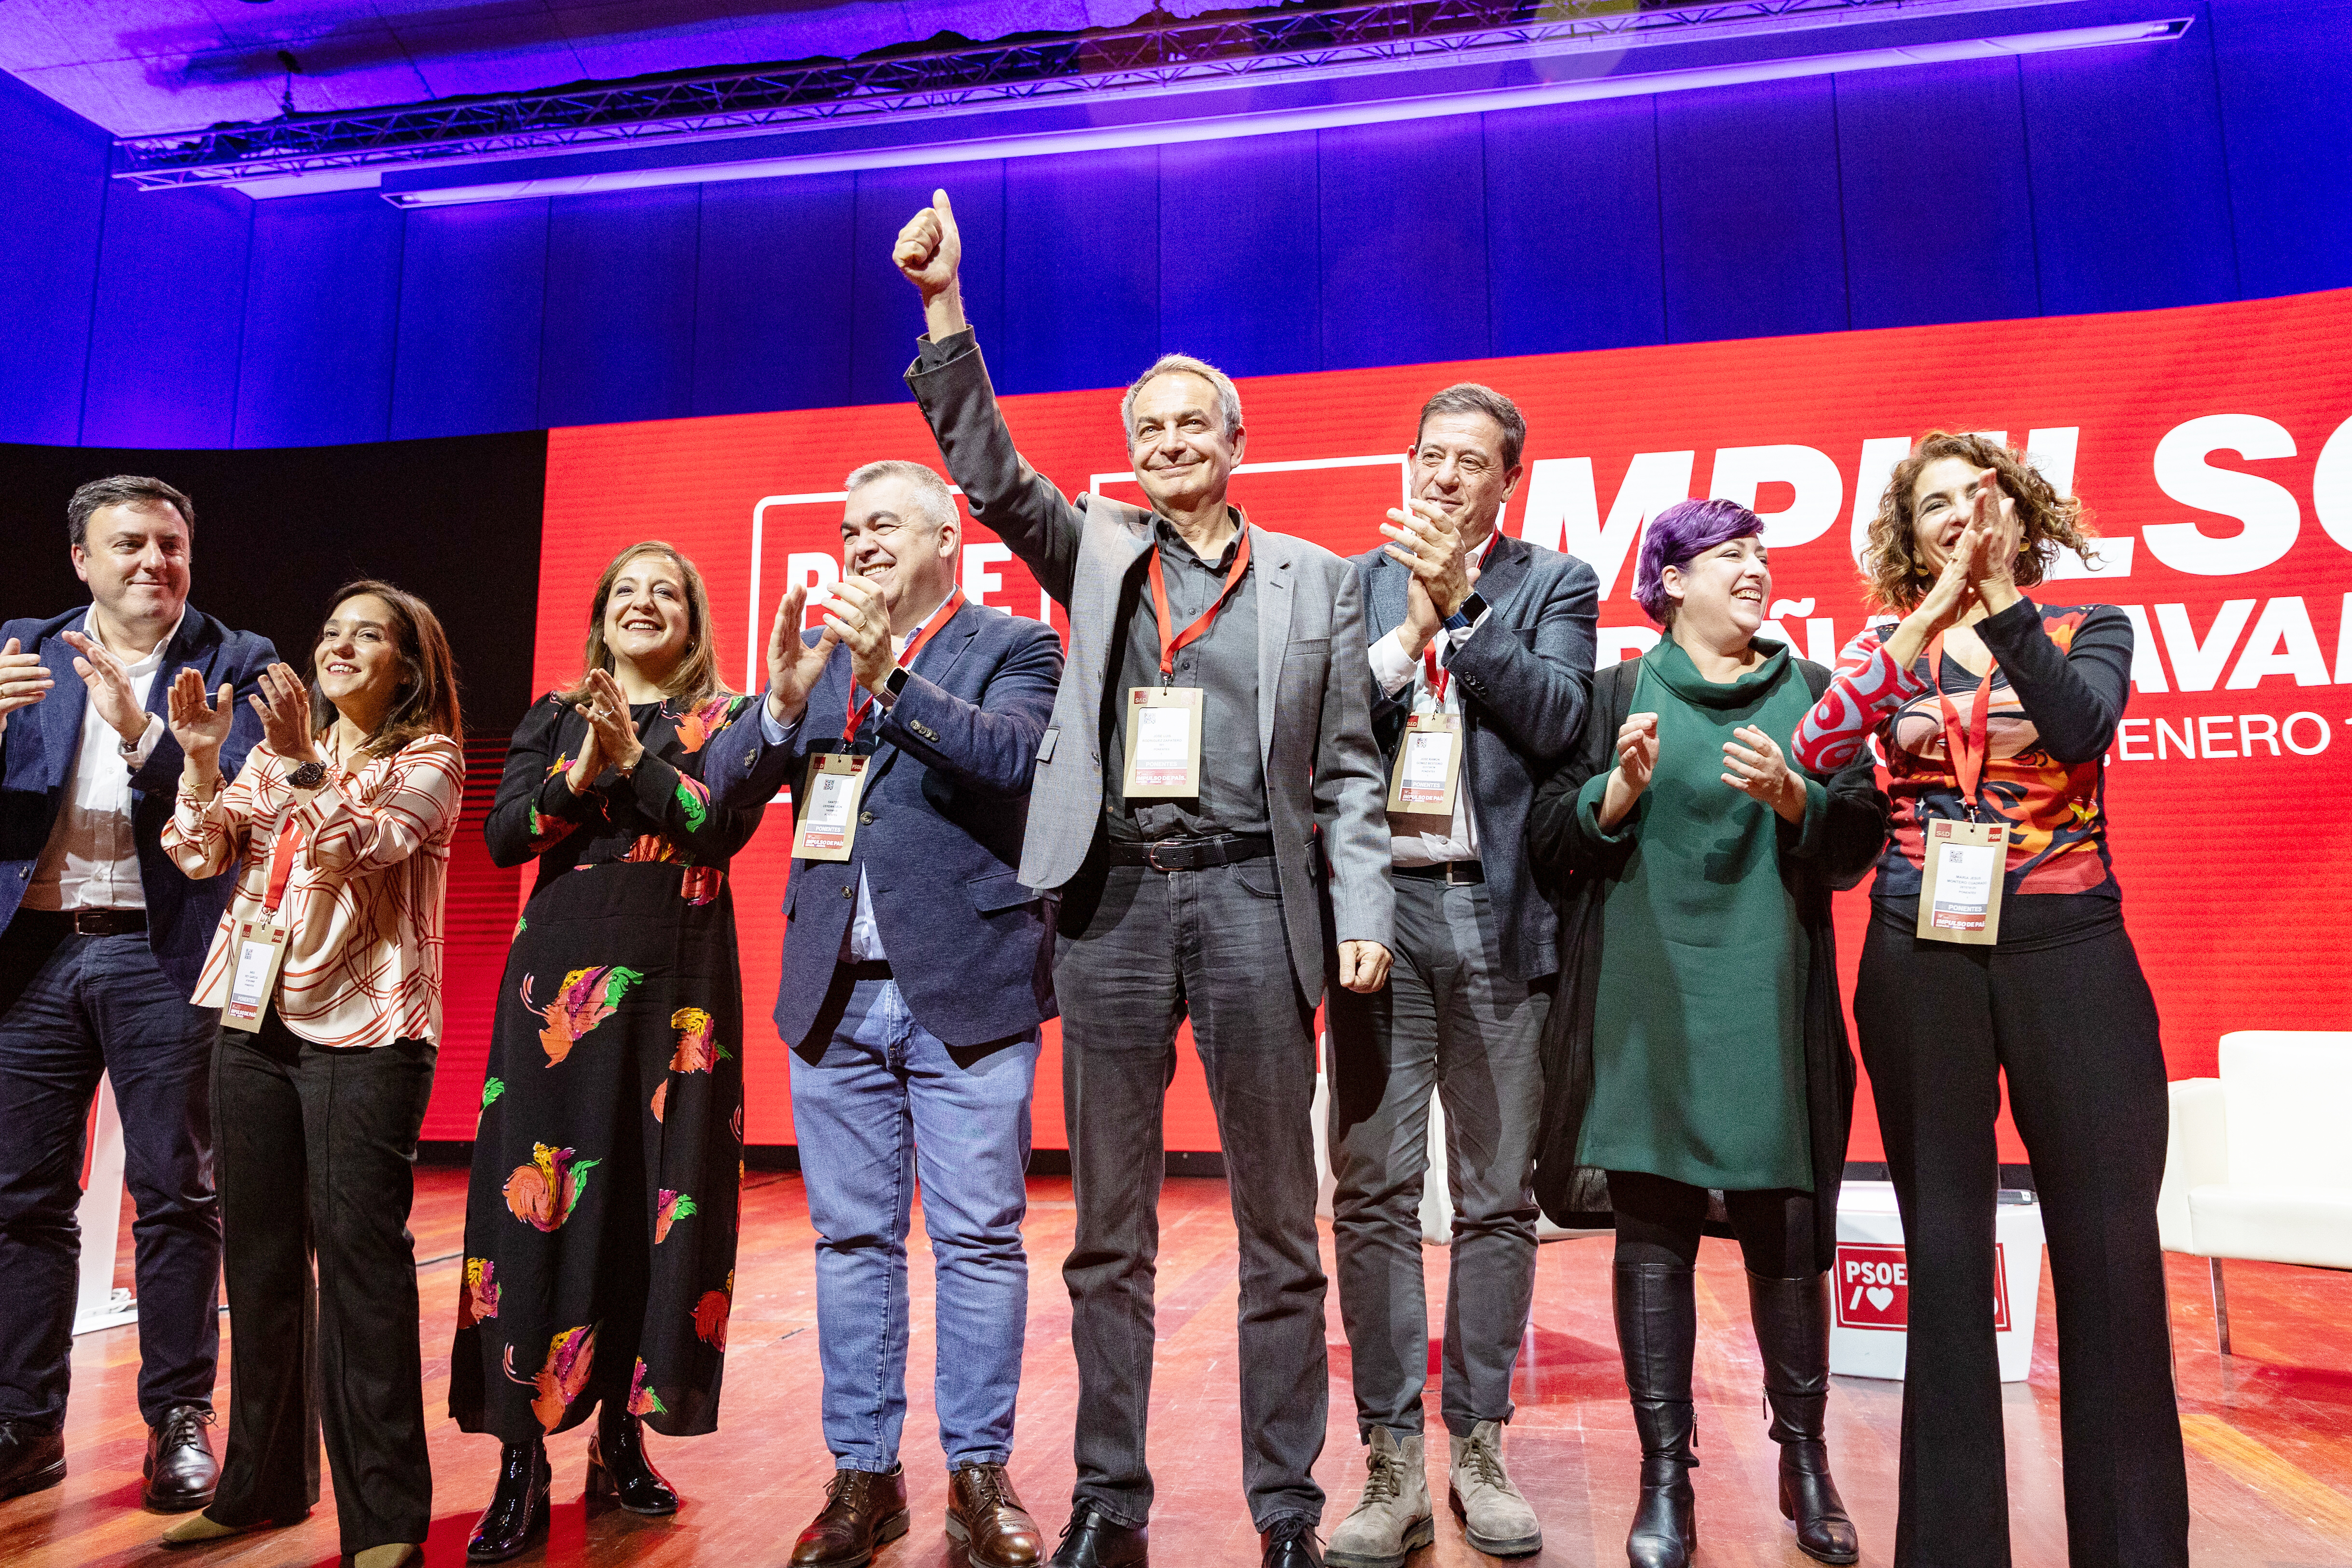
(281, 863)
(852, 720)
(1438, 675)
(1968, 744)
(1173, 642)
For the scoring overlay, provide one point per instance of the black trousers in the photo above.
(317, 1154)
(71, 1009)
(2076, 1029)
(1154, 948)
(1659, 1220)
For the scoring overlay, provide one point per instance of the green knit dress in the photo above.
(1699, 1055)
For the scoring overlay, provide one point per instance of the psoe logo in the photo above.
(1874, 1286)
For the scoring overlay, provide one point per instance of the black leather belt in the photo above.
(1192, 854)
(1454, 873)
(91, 922)
(866, 968)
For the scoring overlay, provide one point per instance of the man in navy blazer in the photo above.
(916, 969)
(102, 938)
(1481, 659)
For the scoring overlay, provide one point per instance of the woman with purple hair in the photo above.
(1698, 1047)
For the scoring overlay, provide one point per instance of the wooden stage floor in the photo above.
(2269, 1431)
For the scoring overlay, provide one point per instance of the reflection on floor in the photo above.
(2269, 1430)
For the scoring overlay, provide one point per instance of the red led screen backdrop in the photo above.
(2212, 445)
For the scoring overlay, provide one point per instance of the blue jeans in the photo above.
(888, 1101)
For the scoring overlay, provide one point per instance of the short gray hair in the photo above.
(134, 490)
(1229, 401)
(1469, 397)
(937, 502)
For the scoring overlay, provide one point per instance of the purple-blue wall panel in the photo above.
(170, 315)
(1572, 241)
(473, 285)
(1747, 195)
(621, 284)
(322, 321)
(1082, 240)
(2131, 202)
(1240, 284)
(1404, 243)
(886, 316)
(52, 209)
(771, 309)
(2285, 76)
(1938, 212)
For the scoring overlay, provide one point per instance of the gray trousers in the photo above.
(1151, 949)
(1450, 1019)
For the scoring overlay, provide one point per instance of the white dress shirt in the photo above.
(1410, 841)
(90, 860)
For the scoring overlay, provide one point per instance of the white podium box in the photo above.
(98, 1304)
(1870, 1317)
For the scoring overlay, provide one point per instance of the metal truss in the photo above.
(1226, 49)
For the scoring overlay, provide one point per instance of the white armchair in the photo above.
(2258, 1165)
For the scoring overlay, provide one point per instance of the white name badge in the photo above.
(1163, 743)
(1428, 766)
(260, 948)
(824, 813)
(1959, 886)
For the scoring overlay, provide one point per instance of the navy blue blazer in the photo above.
(1525, 680)
(938, 836)
(37, 762)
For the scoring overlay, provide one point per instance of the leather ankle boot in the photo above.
(1657, 1330)
(618, 1469)
(1792, 1331)
(862, 1510)
(515, 1520)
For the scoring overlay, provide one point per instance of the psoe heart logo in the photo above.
(1874, 1286)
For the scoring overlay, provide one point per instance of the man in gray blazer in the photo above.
(1482, 661)
(1177, 905)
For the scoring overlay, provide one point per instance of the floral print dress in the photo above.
(601, 1219)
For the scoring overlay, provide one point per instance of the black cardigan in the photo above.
(1852, 834)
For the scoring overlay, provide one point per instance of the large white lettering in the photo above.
(979, 582)
(2282, 643)
(1564, 507)
(2331, 486)
(1818, 490)
(2267, 510)
(2147, 666)
(2198, 663)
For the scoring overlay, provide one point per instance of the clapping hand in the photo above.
(283, 702)
(110, 686)
(612, 738)
(795, 665)
(1426, 542)
(24, 679)
(858, 617)
(1637, 759)
(1761, 770)
(1989, 546)
(200, 726)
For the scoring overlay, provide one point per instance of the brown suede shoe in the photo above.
(988, 1522)
(862, 1510)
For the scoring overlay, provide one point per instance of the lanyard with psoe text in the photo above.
(855, 718)
(1966, 742)
(260, 945)
(1963, 863)
(1173, 641)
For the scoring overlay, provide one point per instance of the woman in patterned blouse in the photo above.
(1988, 706)
(600, 1226)
(339, 825)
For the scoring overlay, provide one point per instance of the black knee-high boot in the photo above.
(1792, 1331)
(619, 1467)
(517, 1518)
(1657, 1330)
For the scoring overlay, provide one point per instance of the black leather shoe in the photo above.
(1792, 1330)
(1657, 1330)
(1291, 1543)
(515, 1520)
(180, 1469)
(32, 1458)
(619, 1471)
(1091, 1540)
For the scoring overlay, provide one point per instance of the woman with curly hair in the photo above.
(1990, 708)
(600, 1227)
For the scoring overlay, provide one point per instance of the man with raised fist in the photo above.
(1207, 803)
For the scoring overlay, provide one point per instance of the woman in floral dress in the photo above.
(600, 1227)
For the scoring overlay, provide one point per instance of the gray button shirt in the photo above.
(1222, 663)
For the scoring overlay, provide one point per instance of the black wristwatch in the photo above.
(895, 681)
(1466, 613)
(310, 776)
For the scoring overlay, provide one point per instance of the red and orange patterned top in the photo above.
(362, 905)
(2059, 679)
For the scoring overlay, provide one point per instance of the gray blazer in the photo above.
(1525, 679)
(1323, 777)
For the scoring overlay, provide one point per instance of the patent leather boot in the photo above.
(618, 1469)
(1657, 1328)
(515, 1520)
(1792, 1331)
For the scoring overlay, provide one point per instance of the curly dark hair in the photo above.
(1892, 568)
